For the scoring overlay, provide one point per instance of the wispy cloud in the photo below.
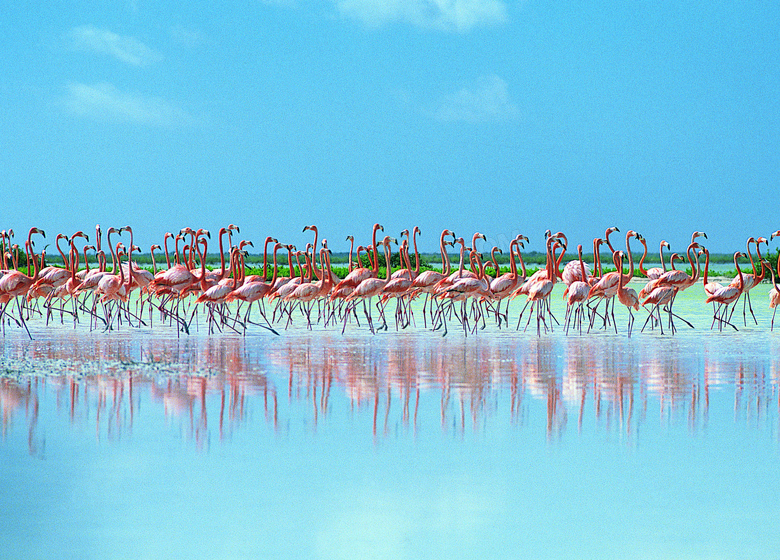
(104, 102)
(126, 49)
(446, 15)
(487, 100)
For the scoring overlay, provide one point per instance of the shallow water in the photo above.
(503, 444)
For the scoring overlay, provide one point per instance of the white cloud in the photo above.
(487, 100)
(126, 49)
(105, 102)
(447, 15)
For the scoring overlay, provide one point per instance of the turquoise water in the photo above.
(501, 444)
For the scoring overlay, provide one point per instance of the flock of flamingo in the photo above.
(186, 286)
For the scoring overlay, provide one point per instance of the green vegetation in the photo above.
(428, 261)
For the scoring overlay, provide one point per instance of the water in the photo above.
(401, 445)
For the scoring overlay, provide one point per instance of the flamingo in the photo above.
(369, 288)
(774, 293)
(178, 277)
(282, 280)
(539, 293)
(81, 274)
(398, 288)
(541, 275)
(67, 290)
(709, 287)
(661, 295)
(261, 277)
(502, 286)
(59, 276)
(751, 280)
(441, 286)
(539, 287)
(14, 284)
(626, 296)
(426, 281)
(285, 286)
(408, 272)
(471, 287)
(51, 276)
(309, 291)
(656, 272)
(607, 286)
(360, 273)
(576, 293)
(216, 295)
(212, 276)
(255, 291)
(727, 295)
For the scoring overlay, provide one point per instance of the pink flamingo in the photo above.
(471, 287)
(359, 274)
(502, 286)
(539, 287)
(307, 292)
(576, 293)
(408, 272)
(399, 288)
(539, 292)
(656, 272)
(660, 295)
(68, 289)
(51, 276)
(443, 285)
(541, 275)
(751, 280)
(626, 296)
(426, 281)
(261, 277)
(14, 284)
(369, 288)
(774, 293)
(709, 287)
(727, 295)
(255, 291)
(607, 286)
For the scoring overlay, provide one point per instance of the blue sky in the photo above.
(503, 117)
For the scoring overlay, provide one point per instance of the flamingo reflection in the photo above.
(397, 386)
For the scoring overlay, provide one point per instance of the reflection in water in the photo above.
(204, 384)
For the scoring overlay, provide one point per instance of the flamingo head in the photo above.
(560, 235)
(79, 234)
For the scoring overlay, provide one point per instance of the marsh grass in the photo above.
(534, 261)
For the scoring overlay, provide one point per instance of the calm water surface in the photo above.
(401, 445)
